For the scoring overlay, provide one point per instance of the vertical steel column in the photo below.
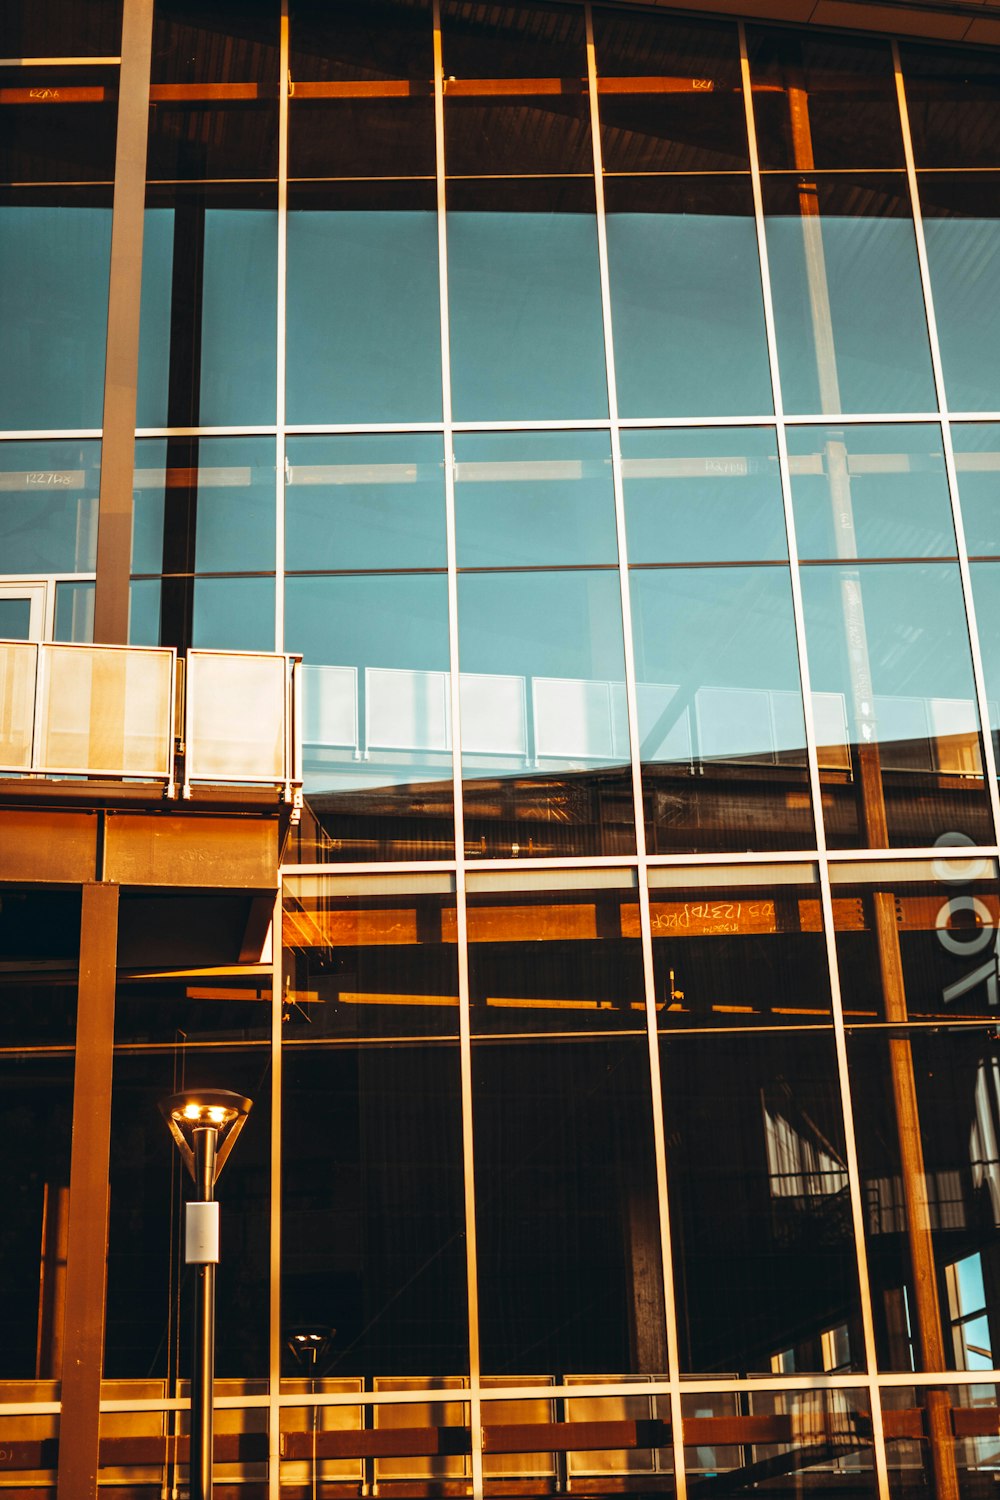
(121, 370)
(87, 1235)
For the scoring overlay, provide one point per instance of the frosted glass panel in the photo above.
(106, 711)
(17, 703)
(235, 717)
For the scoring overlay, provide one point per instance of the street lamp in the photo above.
(204, 1123)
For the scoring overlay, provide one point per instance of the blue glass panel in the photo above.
(48, 506)
(986, 595)
(216, 493)
(687, 310)
(74, 612)
(15, 619)
(53, 310)
(144, 612)
(208, 331)
(534, 499)
(706, 494)
(847, 300)
(234, 614)
(720, 709)
(962, 229)
(870, 491)
(977, 460)
(364, 331)
(526, 325)
(893, 693)
(367, 502)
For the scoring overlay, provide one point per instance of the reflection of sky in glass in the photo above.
(364, 334)
(702, 495)
(238, 341)
(48, 506)
(534, 498)
(53, 312)
(964, 259)
(234, 522)
(687, 314)
(526, 330)
(977, 460)
(716, 668)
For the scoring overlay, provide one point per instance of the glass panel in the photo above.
(945, 1435)
(720, 709)
(235, 717)
(927, 1114)
(566, 1206)
(738, 946)
(545, 957)
(952, 95)
(544, 723)
(137, 1448)
(756, 1165)
(977, 460)
(15, 624)
(75, 613)
(373, 1221)
(917, 940)
(870, 491)
(962, 231)
(32, 1443)
(58, 122)
(526, 325)
(686, 302)
(896, 718)
(149, 1288)
(105, 712)
(986, 593)
(310, 1435)
(534, 499)
(55, 251)
(671, 94)
(376, 718)
(234, 614)
(354, 503)
(847, 299)
(823, 101)
(209, 254)
(515, 90)
(364, 332)
(703, 494)
(48, 506)
(75, 28)
(801, 1442)
(203, 505)
(36, 1119)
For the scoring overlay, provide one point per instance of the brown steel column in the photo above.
(83, 1329)
(121, 373)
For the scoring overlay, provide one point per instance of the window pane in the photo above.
(847, 301)
(917, 940)
(962, 231)
(74, 612)
(970, 1411)
(534, 499)
(84, 28)
(48, 506)
(671, 94)
(870, 491)
(209, 254)
(703, 495)
(720, 709)
(977, 460)
(738, 946)
(544, 724)
(364, 503)
(58, 122)
(686, 303)
(373, 1214)
(376, 714)
(986, 594)
(817, 1442)
(926, 1106)
(203, 506)
(526, 327)
(364, 333)
(823, 101)
(234, 614)
(759, 1202)
(952, 95)
(896, 717)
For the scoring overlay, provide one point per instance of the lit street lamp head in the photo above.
(210, 1110)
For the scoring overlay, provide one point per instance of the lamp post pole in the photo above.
(205, 1139)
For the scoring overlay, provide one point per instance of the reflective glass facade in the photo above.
(605, 404)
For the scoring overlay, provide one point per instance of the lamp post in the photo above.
(204, 1124)
(309, 1344)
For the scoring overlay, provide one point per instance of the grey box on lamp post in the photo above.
(204, 1123)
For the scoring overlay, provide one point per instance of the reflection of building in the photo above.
(604, 403)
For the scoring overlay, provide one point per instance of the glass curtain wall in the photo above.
(604, 404)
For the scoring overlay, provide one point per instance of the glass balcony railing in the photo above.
(140, 713)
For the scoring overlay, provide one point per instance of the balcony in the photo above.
(128, 714)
